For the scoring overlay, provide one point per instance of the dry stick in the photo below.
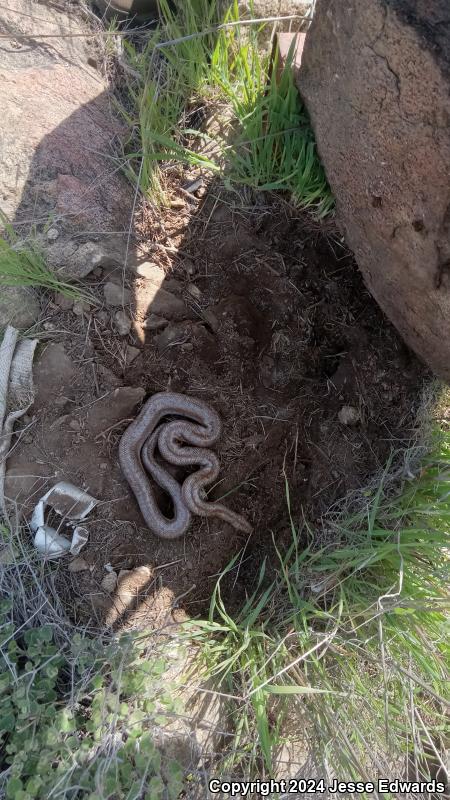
(169, 43)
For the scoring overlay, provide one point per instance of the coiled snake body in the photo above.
(199, 429)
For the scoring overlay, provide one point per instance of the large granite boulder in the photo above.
(58, 133)
(375, 77)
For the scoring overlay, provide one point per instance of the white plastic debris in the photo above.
(50, 543)
(79, 539)
(73, 505)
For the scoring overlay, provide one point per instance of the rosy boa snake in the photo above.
(200, 428)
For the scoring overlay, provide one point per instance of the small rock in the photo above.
(348, 415)
(52, 234)
(74, 425)
(154, 323)
(153, 299)
(116, 276)
(73, 260)
(172, 285)
(64, 303)
(187, 347)
(151, 272)
(122, 322)
(173, 333)
(104, 465)
(131, 354)
(102, 317)
(49, 326)
(194, 291)
(179, 616)
(78, 565)
(116, 295)
(109, 582)
(80, 308)
(18, 306)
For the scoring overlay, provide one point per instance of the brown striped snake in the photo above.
(200, 428)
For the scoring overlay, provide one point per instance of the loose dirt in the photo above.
(280, 336)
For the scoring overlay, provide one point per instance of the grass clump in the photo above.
(77, 711)
(22, 264)
(200, 60)
(350, 636)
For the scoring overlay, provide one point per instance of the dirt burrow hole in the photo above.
(280, 336)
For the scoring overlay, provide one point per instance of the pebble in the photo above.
(49, 326)
(64, 303)
(172, 285)
(348, 415)
(164, 303)
(102, 317)
(52, 234)
(80, 308)
(78, 565)
(116, 295)
(109, 582)
(176, 332)
(74, 425)
(122, 322)
(131, 354)
(154, 323)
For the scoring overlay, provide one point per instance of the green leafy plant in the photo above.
(77, 713)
